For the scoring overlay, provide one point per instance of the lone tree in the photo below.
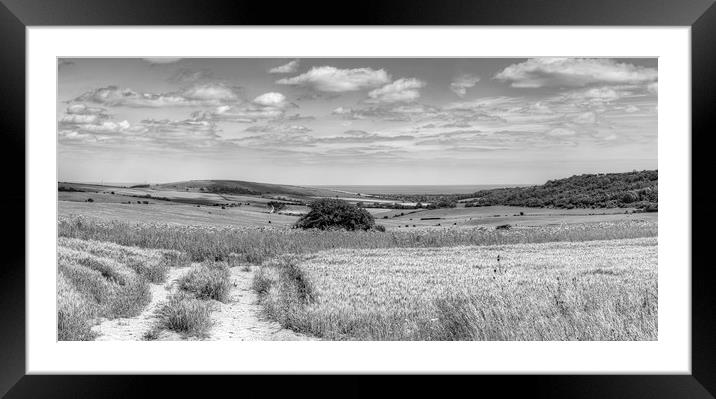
(327, 213)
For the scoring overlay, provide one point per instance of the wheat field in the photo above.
(589, 281)
(592, 290)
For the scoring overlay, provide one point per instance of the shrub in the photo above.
(207, 281)
(327, 213)
(185, 314)
(264, 279)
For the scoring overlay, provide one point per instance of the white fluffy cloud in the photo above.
(267, 106)
(460, 84)
(334, 80)
(402, 90)
(291, 67)
(574, 72)
(208, 94)
(271, 99)
(82, 122)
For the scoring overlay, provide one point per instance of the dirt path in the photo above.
(241, 320)
(133, 329)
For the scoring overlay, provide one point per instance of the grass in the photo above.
(258, 244)
(207, 281)
(104, 280)
(74, 313)
(600, 290)
(111, 287)
(185, 314)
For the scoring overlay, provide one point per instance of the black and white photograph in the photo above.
(357, 199)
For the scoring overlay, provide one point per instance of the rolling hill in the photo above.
(239, 187)
(604, 190)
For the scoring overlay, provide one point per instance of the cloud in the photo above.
(186, 75)
(391, 112)
(240, 114)
(186, 129)
(460, 85)
(278, 129)
(210, 93)
(574, 72)
(82, 114)
(291, 140)
(561, 132)
(291, 67)
(83, 124)
(207, 94)
(596, 95)
(402, 90)
(334, 80)
(271, 99)
(161, 60)
(79, 117)
(270, 106)
(485, 103)
(356, 133)
(585, 118)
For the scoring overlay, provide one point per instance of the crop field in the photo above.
(591, 290)
(188, 264)
(111, 207)
(259, 244)
(177, 213)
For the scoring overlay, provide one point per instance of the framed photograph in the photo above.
(458, 189)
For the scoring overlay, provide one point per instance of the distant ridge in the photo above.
(239, 187)
(604, 190)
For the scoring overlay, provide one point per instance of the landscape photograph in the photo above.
(357, 199)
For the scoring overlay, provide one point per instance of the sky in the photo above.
(354, 121)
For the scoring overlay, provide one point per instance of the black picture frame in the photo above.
(16, 15)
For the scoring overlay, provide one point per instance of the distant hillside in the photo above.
(238, 187)
(610, 190)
